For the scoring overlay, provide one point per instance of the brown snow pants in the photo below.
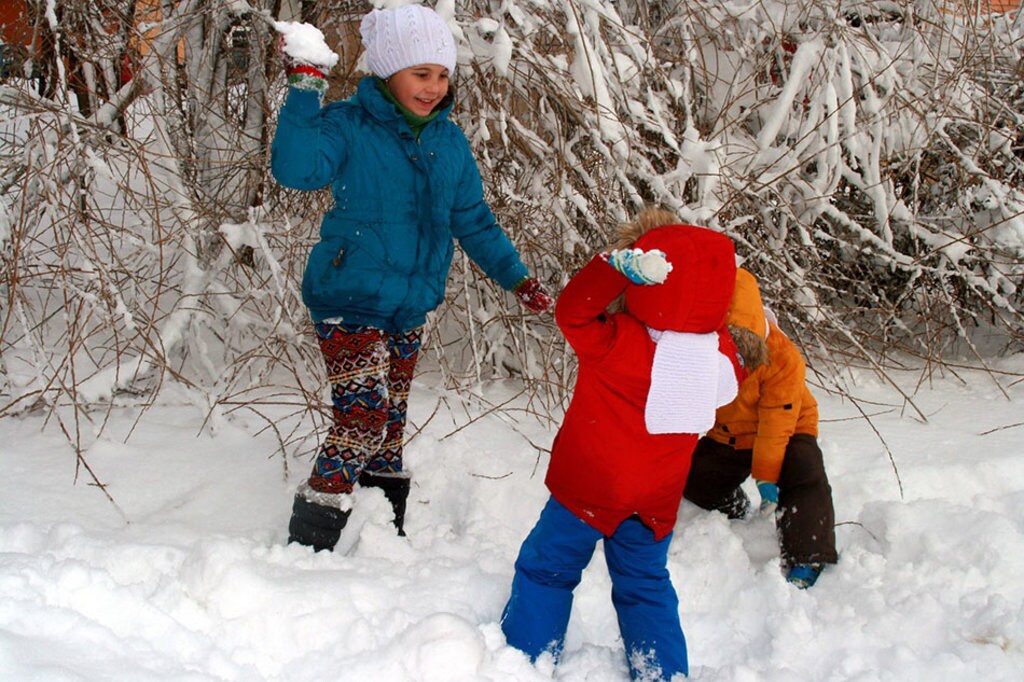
(805, 518)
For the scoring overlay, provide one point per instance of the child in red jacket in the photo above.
(650, 378)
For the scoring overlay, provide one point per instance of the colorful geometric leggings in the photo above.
(370, 372)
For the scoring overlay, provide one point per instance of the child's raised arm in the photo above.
(581, 310)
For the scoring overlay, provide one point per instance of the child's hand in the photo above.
(641, 267)
(304, 44)
(769, 497)
(534, 297)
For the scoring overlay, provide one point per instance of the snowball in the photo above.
(653, 265)
(305, 44)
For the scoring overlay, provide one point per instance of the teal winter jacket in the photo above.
(386, 245)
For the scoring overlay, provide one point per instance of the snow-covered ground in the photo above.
(188, 576)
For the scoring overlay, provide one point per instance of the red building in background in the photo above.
(18, 39)
(14, 24)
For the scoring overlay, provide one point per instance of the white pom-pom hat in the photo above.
(406, 36)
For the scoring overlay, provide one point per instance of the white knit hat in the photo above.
(405, 36)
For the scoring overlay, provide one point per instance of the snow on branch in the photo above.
(864, 156)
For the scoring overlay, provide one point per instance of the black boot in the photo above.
(313, 524)
(396, 490)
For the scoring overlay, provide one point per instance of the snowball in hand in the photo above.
(639, 266)
(305, 44)
(654, 265)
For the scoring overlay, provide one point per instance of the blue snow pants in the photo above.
(550, 566)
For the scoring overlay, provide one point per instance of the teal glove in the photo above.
(640, 267)
(769, 497)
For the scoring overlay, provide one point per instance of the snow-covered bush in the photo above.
(865, 156)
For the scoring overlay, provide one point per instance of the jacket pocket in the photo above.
(341, 275)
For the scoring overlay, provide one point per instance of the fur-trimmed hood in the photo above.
(747, 322)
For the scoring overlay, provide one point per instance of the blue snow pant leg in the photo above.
(646, 602)
(549, 567)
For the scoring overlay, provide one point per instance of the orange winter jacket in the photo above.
(773, 402)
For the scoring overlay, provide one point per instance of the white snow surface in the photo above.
(189, 578)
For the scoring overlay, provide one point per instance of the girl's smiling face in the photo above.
(419, 88)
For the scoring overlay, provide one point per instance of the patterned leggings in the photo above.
(370, 372)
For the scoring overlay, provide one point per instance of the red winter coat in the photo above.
(605, 466)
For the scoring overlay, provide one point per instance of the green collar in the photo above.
(416, 123)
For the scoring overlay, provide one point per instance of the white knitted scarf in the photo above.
(690, 379)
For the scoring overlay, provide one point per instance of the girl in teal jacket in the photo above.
(405, 184)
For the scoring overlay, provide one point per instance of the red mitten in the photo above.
(532, 294)
(306, 77)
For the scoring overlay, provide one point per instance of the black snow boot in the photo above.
(396, 490)
(316, 522)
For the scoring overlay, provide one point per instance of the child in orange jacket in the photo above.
(770, 432)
